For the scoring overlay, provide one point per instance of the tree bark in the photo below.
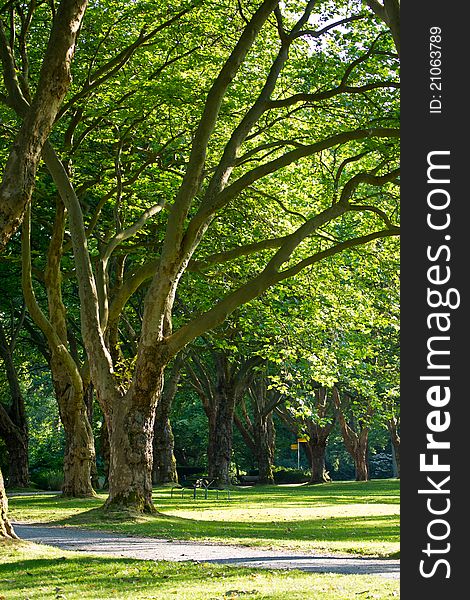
(79, 443)
(316, 451)
(164, 461)
(6, 530)
(359, 455)
(105, 451)
(219, 451)
(130, 425)
(219, 400)
(356, 443)
(54, 80)
(389, 12)
(69, 385)
(395, 438)
(263, 402)
(17, 448)
(265, 442)
(88, 399)
(13, 424)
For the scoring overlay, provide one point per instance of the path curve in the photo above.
(145, 548)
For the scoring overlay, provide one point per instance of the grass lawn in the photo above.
(352, 517)
(29, 571)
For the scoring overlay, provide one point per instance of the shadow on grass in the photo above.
(349, 531)
(377, 528)
(103, 577)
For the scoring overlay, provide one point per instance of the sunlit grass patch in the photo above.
(40, 572)
(353, 517)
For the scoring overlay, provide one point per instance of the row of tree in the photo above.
(236, 373)
(202, 154)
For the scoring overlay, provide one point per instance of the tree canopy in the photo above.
(173, 162)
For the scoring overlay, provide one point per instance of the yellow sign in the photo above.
(294, 446)
(302, 440)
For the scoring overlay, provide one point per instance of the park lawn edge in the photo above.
(87, 513)
(43, 572)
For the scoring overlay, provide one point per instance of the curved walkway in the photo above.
(98, 542)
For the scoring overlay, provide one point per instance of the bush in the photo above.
(48, 479)
(184, 471)
(286, 475)
(381, 466)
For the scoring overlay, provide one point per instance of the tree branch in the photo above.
(54, 80)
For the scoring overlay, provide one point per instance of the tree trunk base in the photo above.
(319, 480)
(131, 503)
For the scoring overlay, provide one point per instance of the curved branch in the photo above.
(283, 161)
(255, 287)
(106, 71)
(195, 170)
(101, 366)
(56, 344)
(54, 80)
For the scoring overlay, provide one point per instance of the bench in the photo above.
(248, 479)
(197, 482)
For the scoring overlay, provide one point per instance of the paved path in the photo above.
(72, 538)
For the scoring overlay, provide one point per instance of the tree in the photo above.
(220, 383)
(389, 12)
(38, 111)
(313, 422)
(258, 431)
(355, 433)
(70, 378)
(13, 424)
(225, 164)
(6, 530)
(164, 461)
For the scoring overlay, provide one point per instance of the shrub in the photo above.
(381, 466)
(287, 475)
(48, 479)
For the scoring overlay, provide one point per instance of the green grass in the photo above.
(29, 571)
(350, 517)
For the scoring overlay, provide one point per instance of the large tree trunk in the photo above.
(79, 457)
(265, 441)
(79, 443)
(219, 452)
(16, 441)
(6, 530)
(130, 424)
(318, 441)
(67, 378)
(316, 451)
(164, 461)
(219, 401)
(359, 454)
